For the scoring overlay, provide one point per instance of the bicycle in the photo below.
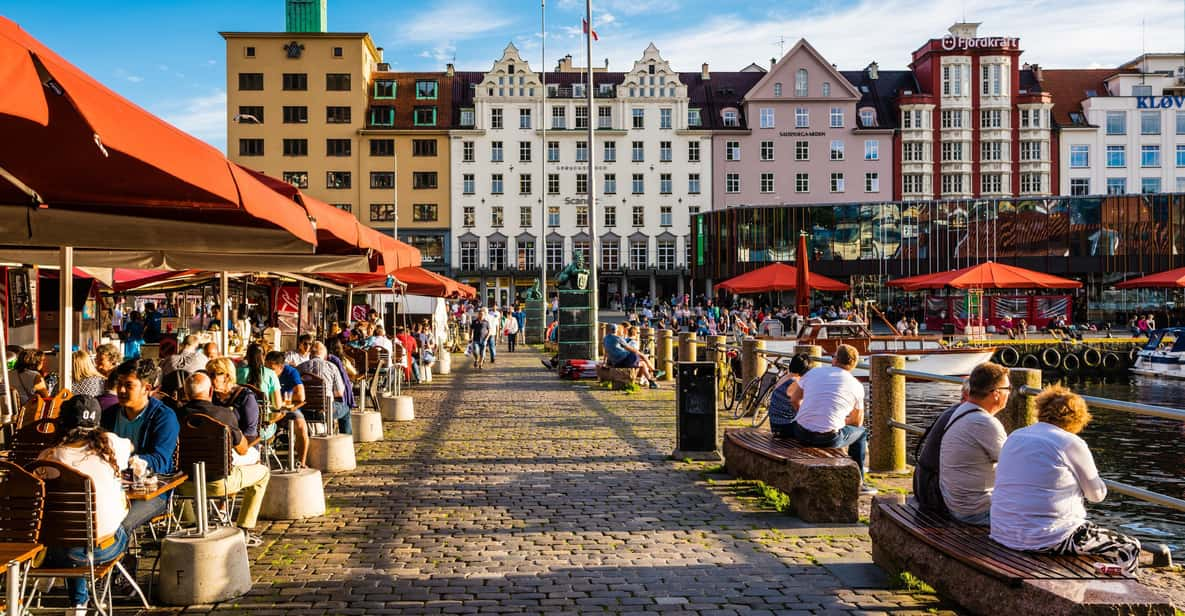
(754, 399)
(729, 382)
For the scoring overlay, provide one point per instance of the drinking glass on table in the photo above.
(139, 468)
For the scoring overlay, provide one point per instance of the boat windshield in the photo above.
(1178, 344)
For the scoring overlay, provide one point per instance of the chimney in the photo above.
(305, 16)
(380, 50)
(449, 70)
(772, 62)
(703, 72)
(1036, 68)
(873, 71)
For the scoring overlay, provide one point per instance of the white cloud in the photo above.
(202, 116)
(453, 21)
(134, 78)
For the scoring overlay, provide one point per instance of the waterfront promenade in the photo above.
(516, 492)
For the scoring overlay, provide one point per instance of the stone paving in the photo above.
(515, 492)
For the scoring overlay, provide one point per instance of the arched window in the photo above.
(800, 83)
(778, 89)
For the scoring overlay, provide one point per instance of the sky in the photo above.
(167, 56)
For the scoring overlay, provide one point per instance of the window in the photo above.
(732, 183)
(778, 89)
(952, 118)
(872, 150)
(693, 118)
(250, 147)
(1030, 182)
(732, 150)
(524, 151)
(693, 151)
(802, 183)
(495, 118)
(609, 254)
(836, 117)
(345, 207)
(952, 80)
(915, 151)
(1116, 186)
(1116, 123)
(337, 179)
(872, 182)
(384, 88)
(337, 82)
(496, 249)
(294, 81)
(382, 212)
(467, 117)
(467, 216)
(952, 151)
(911, 183)
(553, 216)
(837, 150)
(1079, 156)
(837, 182)
(469, 253)
(767, 182)
(802, 150)
(952, 183)
(767, 117)
(1030, 150)
(379, 116)
(1180, 156)
(555, 254)
(299, 179)
(254, 111)
(637, 153)
(496, 183)
(424, 212)
(664, 151)
(991, 79)
(582, 151)
(767, 150)
(1149, 122)
(664, 183)
(731, 120)
(382, 179)
(610, 216)
(990, 118)
(1180, 117)
(693, 183)
(1150, 185)
(559, 119)
(468, 183)
(337, 147)
(553, 183)
(337, 52)
(604, 116)
(553, 151)
(339, 115)
(382, 147)
(867, 118)
(524, 118)
(610, 151)
(664, 118)
(826, 88)
(524, 184)
(802, 117)
(666, 254)
(639, 117)
(496, 151)
(665, 216)
(638, 216)
(582, 118)
(800, 82)
(1150, 156)
(296, 147)
(639, 184)
(467, 152)
(497, 219)
(423, 179)
(424, 116)
(610, 183)
(991, 183)
(582, 183)
(249, 52)
(525, 253)
(1079, 187)
(1116, 156)
(425, 89)
(1141, 90)
(639, 259)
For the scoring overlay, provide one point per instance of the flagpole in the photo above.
(594, 241)
(541, 245)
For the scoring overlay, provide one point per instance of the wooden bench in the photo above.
(621, 378)
(823, 484)
(966, 566)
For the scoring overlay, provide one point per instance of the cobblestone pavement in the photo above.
(516, 492)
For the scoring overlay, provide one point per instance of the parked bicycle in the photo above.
(754, 399)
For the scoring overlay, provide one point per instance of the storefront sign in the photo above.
(1159, 102)
(577, 167)
(952, 43)
(801, 133)
(575, 201)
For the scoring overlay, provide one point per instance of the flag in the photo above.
(587, 30)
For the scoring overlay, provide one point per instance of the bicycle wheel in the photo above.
(761, 412)
(746, 399)
(728, 392)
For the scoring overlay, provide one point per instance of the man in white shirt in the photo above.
(300, 354)
(971, 445)
(830, 404)
(381, 340)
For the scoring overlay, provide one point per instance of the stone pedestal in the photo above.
(293, 496)
(368, 426)
(332, 454)
(536, 321)
(197, 570)
(397, 408)
(444, 362)
(576, 328)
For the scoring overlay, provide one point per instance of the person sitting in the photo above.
(1007, 327)
(318, 365)
(187, 360)
(25, 376)
(100, 456)
(292, 394)
(87, 380)
(781, 410)
(229, 394)
(1046, 472)
(299, 355)
(619, 354)
(211, 352)
(830, 404)
(248, 477)
(969, 446)
(256, 373)
(380, 340)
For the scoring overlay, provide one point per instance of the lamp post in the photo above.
(594, 247)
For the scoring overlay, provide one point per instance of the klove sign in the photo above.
(1160, 102)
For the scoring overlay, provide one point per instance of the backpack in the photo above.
(577, 369)
(927, 488)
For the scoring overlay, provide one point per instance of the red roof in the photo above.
(989, 275)
(1069, 88)
(777, 277)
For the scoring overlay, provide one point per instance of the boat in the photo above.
(1163, 356)
(923, 353)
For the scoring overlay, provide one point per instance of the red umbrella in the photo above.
(778, 277)
(988, 275)
(1172, 279)
(802, 286)
(415, 280)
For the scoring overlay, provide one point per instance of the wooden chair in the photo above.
(22, 503)
(70, 521)
(205, 439)
(318, 406)
(29, 441)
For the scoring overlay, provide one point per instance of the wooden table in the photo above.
(15, 559)
(160, 489)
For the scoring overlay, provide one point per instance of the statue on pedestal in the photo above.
(575, 274)
(533, 294)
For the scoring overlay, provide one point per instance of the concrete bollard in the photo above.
(720, 356)
(602, 331)
(813, 350)
(426, 372)
(294, 496)
(444, 362)
(665, 360)
(204, 569)
(332, 454)
(752, 361)
(368, 426)
(1021, 410)
(688, 346)
(886, 445)
(397, 408)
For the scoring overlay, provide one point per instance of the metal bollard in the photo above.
(292, 444)
(886, 445)
(665, 353)
(1021, 410)
(752, 361)
(14, 588)
(687, 346)
(199, 497)
(720, 356)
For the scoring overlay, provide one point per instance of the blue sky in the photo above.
(166, 55)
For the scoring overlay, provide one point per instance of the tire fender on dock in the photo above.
(1051, 358)
(1111, 361)
(1071, 363)
(1009, 356)
(1030, 361)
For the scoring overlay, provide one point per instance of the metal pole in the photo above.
(65, 317)
(349, 306)
(594, 243)
(224, 302)
(292, 442)
(541, 246)
(8, 413)
(199, 496)
(14, 588)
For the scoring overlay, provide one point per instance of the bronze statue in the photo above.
(533, 294)
(575, 274)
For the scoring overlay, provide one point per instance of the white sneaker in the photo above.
(867, 490)
(78, 610)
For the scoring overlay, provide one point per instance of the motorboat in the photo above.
(1163, 355)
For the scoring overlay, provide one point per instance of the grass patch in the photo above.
(910, 582)
(715, 469)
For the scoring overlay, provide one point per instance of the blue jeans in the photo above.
(983, 518)
(141, 512)
(76, 557)
(341, 413)
(491, 344)
(855, 438)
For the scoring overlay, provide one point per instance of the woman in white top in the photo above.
(1044, 474)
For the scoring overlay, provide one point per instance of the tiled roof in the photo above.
(721, 91)
(1070, 87)
(881, 93)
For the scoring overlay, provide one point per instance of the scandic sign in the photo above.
(1159, 102)
(951, 42)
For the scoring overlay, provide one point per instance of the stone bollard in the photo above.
(203, 569)
(602, 331)
(813, 350)
(332, 454)
(752, 361)
(293, 496)
(687, 346)
(444, 361)
(720, 356)
(367, 426)
(886, 445)
(397, 408)
(1021, 410)
(665, 352)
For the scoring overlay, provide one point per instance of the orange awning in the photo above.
(988, 275)
(777, 277)
(1172, 279)
(413, 280)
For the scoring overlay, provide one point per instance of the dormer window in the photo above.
(730, 118)
(867, 118)
(510, 68)
(651, 68)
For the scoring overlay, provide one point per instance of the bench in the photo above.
(964, 565)
(823, 484)
(621, 378)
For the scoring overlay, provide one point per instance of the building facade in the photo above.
(652, 163)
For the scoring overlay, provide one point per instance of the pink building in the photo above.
(805, 133)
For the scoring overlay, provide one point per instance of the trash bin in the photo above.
(695, 401)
